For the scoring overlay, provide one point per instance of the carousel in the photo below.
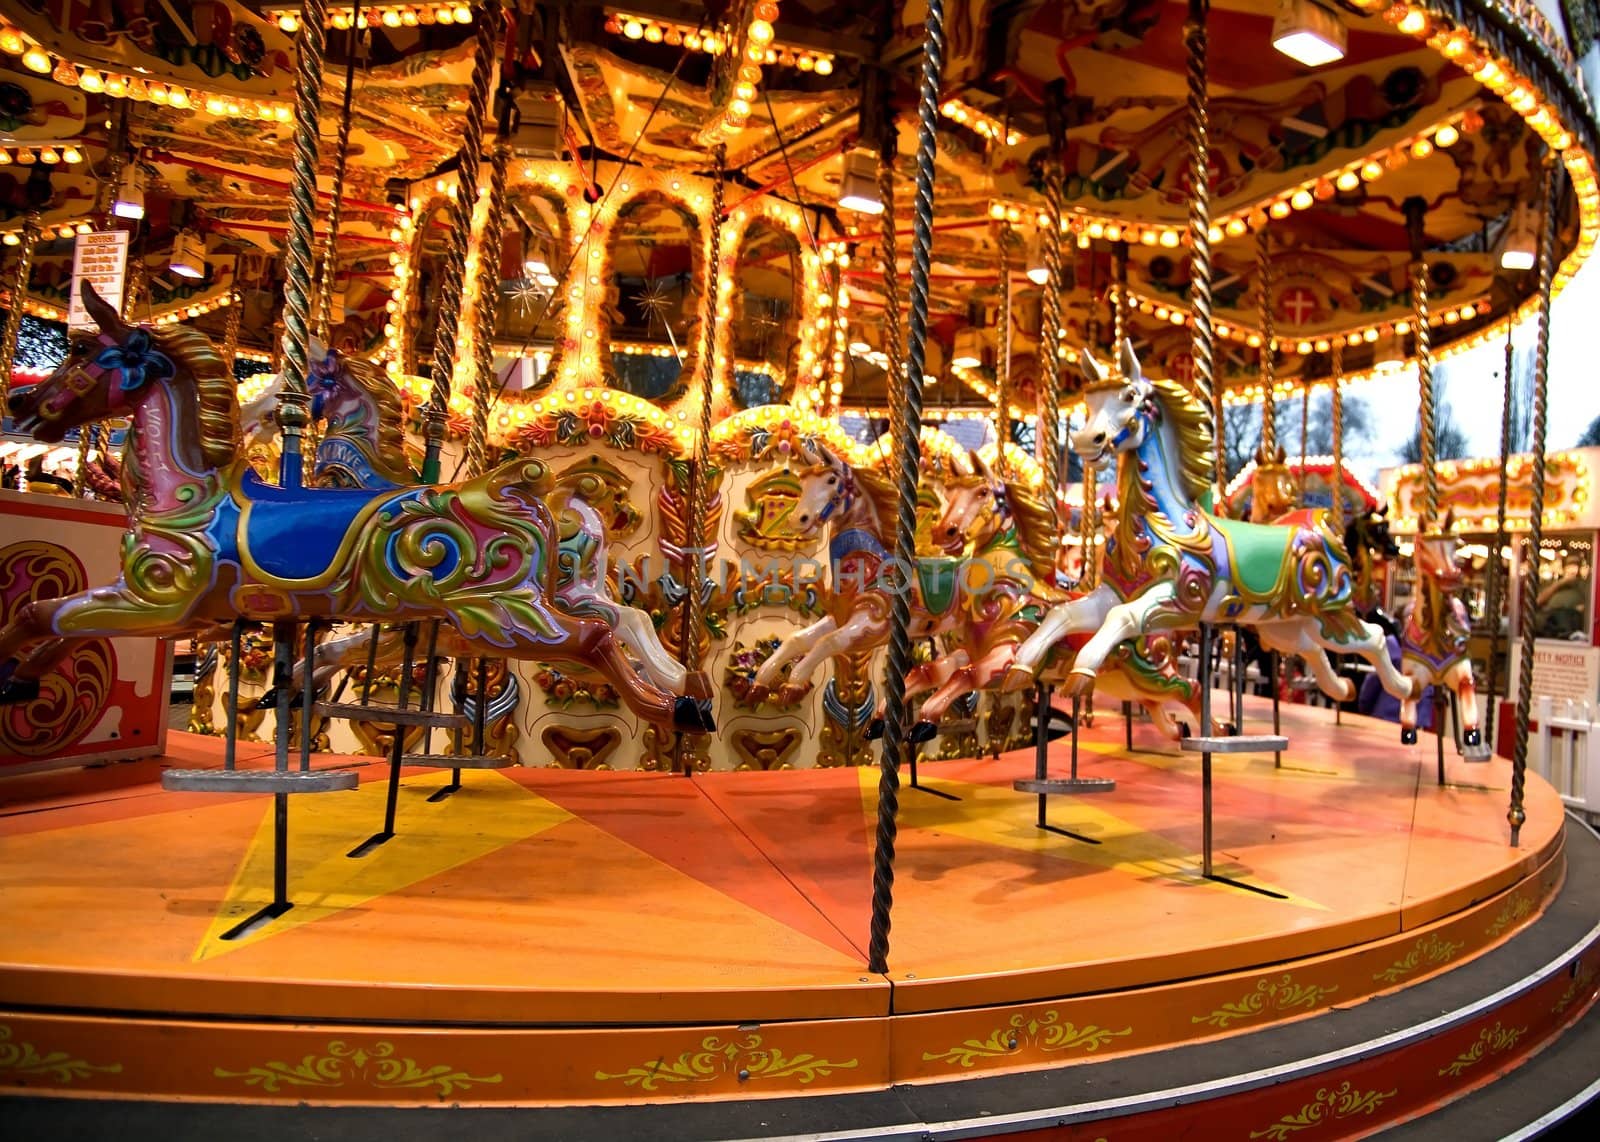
(720, 550)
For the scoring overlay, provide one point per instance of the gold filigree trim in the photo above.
(1330, 1104)
(23, 1060)
(744, 1058)
(1491, 1041)
(1510, 912)
(1429, 951)
(347, 1064)
(1044, 1032)
(1581, 985)
(1270, 995)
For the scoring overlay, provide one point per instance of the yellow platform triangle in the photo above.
(488, 814)
(999, 815)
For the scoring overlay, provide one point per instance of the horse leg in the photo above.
(1408, 716)
(1122, 623)
(1344, 632)
(797, 644)
(659, 666)
(101, 612)
(981, 675)
(1062, 620)
(931, 675)
(591, 643)
(1467, 698)
(1300, 637)
(860, 631)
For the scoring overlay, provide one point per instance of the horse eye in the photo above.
(832, 480)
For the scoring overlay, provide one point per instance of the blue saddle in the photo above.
(295, 533)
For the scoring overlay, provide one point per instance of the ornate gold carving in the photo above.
(205, 691)
(574, 748)
(1513, 910)
(1493, 1040)
(767, 749)
(846, 713)
(1429, 951)
(19, 1060)
(347, 1064)
(744, 1058)
(1044, 1032)
(1330, 1104)
(605, 488)
(1582, 985)
(765, 521)
(1282, 994)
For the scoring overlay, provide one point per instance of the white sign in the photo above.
(101, 259)
(1561, 670)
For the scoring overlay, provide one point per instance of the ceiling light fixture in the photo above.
(858, 186)
(1308, 33)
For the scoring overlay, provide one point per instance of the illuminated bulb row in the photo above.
(986, 125)
(1087, 227)
(378, 15)
(136, 87)
(393, 327)
(46, 153)
(190, 312)
(760, 47)
(54, 230)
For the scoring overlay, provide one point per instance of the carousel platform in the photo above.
(578, 940)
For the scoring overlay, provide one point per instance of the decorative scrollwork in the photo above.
(744, 1058)
(1330, 1103)
(23, 1060)
(1429, 951)
(1282, 994)
(1493, 1040)
(1045, 1032)
(348, 1064)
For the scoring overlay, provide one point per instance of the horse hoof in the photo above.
(923, 731)
(1017, 678)
(697, 684)
(874, 730)
(17, 690)
(1349, 691)
(1079, 684)
(693, 716)
(791, 692)
(1471, 737)
(1408, 735)
(1416, 689)
(757, 693)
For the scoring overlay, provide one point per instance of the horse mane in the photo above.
(218, 392)
(1035, 522)
(1191, 421)
(375, 383)
(881, 493)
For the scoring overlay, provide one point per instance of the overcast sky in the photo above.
(1472, 387)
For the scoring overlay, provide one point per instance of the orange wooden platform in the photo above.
(553, 936)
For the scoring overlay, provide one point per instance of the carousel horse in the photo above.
(1435, 628)
(1367, 539)
(860, 507)
(1006, 524)
(1272, 493)
(210, 542)
(364, 430)
(1171, 565)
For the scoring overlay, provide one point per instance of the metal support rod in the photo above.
(1494, 603)
(230, 742)
(307, 693)
(907, 471)
(1549, 232)
(19, 294)
(397, 749)
(1206, 730)
(1041, 743)
(1274, 664)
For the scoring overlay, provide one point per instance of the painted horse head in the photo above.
(1272, 492)
(1122, 408)
(1367, 537)
(1436, 555)
(113, 372)
(975, 506)
(828, 488)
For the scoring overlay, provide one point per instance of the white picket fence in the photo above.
(1566, 751)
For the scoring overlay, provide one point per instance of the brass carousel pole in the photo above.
(294, 403)
(1336, 511)
(486, 22)
(1202, 350)
(484, 382)
(1497, 567)
(699, 469)
(1269, 351)
(907, 472)
(341, 158)
(894, 337)
(1002, 398)
(1528, 611)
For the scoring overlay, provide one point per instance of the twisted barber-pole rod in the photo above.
(341, 157)
(699, 484)
(293, 403)
(484, 382)
(1336, 513)
(907, 472)
(1202, 345)
(487, 19)
(1414, 210)
(1002, 401)
(1269, 348)
(894, 336)
(1047, 436)
(1530, 591)
(1496, 586)
(19, 295)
